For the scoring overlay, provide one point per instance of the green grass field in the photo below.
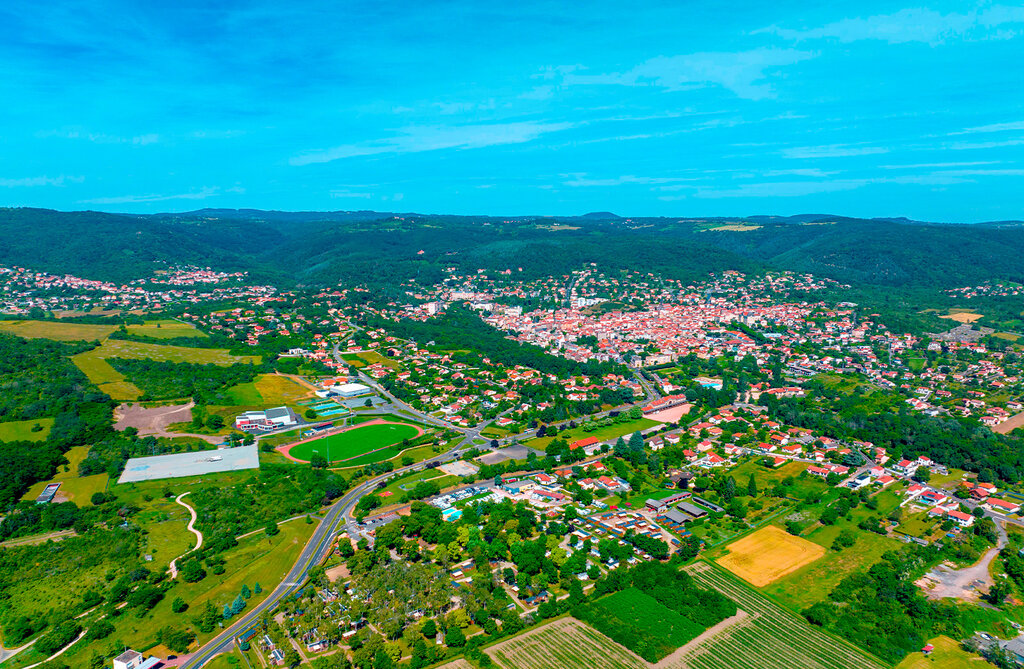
(355, 442)
(95, 366)
(165, 329)
(827, 571)
(56, 330)
(947, 655)
(21, 430)
(79, 489)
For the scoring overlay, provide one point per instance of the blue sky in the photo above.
(678, 108)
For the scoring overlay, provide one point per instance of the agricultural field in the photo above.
(165, 329)
(641, 623)
(770, 637)
(95, 366)
(56, 330)
(355, 442)
(269, 390)
(833, 567)
(769, 554)
(24, 430)
(947, 655)
(565, 643)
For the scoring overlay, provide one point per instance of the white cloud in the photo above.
(416, 139)
(920, 165)
(831, 151)
(581, 180)
(201, 194)
(29, 182)
(966, 146)
(744, 72)
(350, 194)
(993, 127)
(912, 25)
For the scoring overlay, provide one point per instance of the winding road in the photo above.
(191, 528)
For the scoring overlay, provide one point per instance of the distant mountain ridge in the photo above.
(328, 247)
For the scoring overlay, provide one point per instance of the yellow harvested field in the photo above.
(769, 554)
(964, 316)
(56, 330)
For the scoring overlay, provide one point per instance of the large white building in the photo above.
(270, 419)
(344, 390)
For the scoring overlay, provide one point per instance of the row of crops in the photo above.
(769, 637)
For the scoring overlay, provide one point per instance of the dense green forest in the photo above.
(37, 380)
(459, 329)
(959, 443)
(324, 248)
(160, 380)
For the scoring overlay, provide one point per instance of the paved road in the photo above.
(314, 552)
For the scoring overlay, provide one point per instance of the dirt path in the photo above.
(192, 529)
(43, 538)
(59, 652)
(968, 583)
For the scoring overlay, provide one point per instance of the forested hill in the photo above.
(386, 249)
(119, 248)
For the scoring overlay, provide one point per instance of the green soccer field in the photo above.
(352, 443)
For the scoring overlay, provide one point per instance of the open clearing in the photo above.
(269, 390)
(736, 227)
(165, 329)
(827, 572)
(765, 636)
(769, 554)
(95, 366)
(353, 442)
(57, 330)
(1011, 424)
(947, 655)
(963, 316)
(21, 430)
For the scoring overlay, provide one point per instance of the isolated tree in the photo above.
(752, 486)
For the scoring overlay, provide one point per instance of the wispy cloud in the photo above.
(745, 73)
(101, 138)
(30, 182)
(992, 127)
(351, 194)
(417, 139)
(966, 146)
(922, 165)
(201, 194)
(582, 180)
(832, 151)
(912, 25)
